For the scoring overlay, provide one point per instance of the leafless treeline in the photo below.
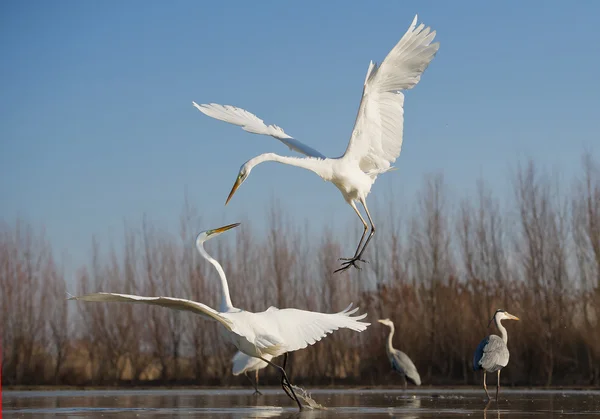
(439, 274)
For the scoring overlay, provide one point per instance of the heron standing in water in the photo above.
(492, 354)
(401, 363)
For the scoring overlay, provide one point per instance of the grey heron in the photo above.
(399, 360)
(492, 353)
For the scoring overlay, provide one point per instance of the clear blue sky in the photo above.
(97, 124)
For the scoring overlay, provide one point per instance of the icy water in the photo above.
(241, 403)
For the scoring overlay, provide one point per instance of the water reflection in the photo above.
(345, 403)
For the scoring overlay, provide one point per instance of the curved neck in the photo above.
(313, 164)
(226, 304)
(389, 340)
(502, 329)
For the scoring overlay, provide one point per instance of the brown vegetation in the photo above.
(438, 274)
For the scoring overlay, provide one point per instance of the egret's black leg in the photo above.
(357, 258)
(257, 392)
(287, 382)
(352, 261)
(285, 387)
(252, 382)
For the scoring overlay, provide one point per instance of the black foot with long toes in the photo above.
(350, 262)
(257, 393)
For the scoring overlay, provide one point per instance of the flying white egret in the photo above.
(401, 363)
(243, 364)
(376, 139)
(492, 353)
(272, 332)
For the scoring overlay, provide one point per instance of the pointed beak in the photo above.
(510, 316)
(235, 186)
(222, 229)
(380, 321)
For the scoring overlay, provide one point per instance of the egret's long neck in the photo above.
(502, 329)
(318, 166)
(390, 337)
(226, 304)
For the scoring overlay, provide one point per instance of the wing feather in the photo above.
(296, 329)
(168, 302)
(243, 363)
(376, 139)
(253, 124)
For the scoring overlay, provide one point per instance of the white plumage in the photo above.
(376, 139)
(272, 332)
(243, 364)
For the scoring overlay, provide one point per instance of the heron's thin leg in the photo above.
(485, 385)
(356, 258)
(498, 386)
(405, 382)
(251, 381)
(282, 371)
(257, 392)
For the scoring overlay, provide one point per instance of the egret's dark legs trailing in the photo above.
(257, 392)
(285, 387)
(285, 381)
(255, 385)
(358, 254)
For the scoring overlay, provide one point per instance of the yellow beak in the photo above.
(512, 317)
(222, 229)
(235, 186)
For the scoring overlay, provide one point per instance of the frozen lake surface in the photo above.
(343, 403)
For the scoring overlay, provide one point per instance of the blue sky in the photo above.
(97, 124)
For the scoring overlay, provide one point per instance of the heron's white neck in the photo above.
(502, 329)
(226, 304)
(390, 348)
(313, 164)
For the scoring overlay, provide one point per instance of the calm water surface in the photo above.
(371, 403)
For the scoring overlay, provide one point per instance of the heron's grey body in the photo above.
(401, 363)
(492, 353)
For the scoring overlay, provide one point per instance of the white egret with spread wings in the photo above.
(376, 139)
(272, 332)
(492, 353)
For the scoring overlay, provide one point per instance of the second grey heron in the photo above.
(401, 363)
(492, 353)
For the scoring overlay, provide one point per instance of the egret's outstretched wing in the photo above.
(173, 303)
(403, 364)
(251, 123)
(243, 363)
(296, 329)
(377, 136)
